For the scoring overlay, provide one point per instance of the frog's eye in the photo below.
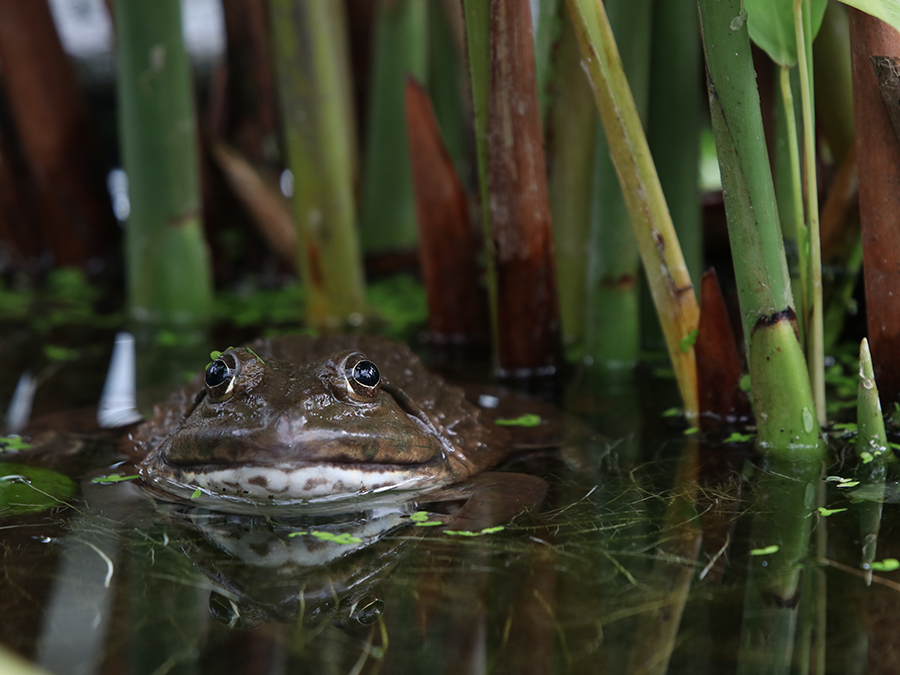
(366, 373)
(220, 378)
(363, 378)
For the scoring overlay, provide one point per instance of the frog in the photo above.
(299, 420)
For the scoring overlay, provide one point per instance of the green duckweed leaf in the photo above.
(467, 533)
(343, 538)
(13, 444)
(886, 565)
(768, 550)
(828, 512)
(528, 420)
(26, 489)
(113, 478)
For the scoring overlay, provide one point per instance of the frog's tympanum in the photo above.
(295, 419)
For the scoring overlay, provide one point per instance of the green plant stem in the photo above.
(169, 276)
(311, 62)
(664, 265)
(781, 390)
(815, 350)
(571, 125)
(387, 209)
(801, 233)
(612, 322)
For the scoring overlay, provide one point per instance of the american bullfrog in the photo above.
(295, 420)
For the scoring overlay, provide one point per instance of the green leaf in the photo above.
(690, 431)
(57, 353)
(343, 538)
(688, 341)
(765, 551)
(13, 444)
(24, 489)
(672, 412)
(112, 478)
(827, 512)
(468, 533)
(886, 10)
(771, 26)
(528, 420)
(886, 565)
(196, 493)
(738, 437)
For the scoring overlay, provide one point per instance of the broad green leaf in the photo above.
(771, 26)
(26, 488)
(886, 10)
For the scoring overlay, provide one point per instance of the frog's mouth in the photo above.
(291, 483)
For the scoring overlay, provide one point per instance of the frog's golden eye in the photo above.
(220, 378)
(363, 377)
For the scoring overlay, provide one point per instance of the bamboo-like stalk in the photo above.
(871, 450)
(663, 262)
(815, 349)
(169, 277)
(612, 307)
(783, 400)
(571, 125)
(387, 209)
(313, 76)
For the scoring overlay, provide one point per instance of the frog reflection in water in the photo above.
(294, 420)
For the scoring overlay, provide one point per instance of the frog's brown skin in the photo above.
(295, 427)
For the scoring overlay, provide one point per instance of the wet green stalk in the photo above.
(612, 323)
(781, 390)
(311, 60)
(571, 125)
(387, 214)
(872, 452)
(169, 277)
(663, 262)
(815, 349)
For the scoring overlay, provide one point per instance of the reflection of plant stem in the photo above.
(815, 354)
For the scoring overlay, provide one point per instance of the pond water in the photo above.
(652, 552)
